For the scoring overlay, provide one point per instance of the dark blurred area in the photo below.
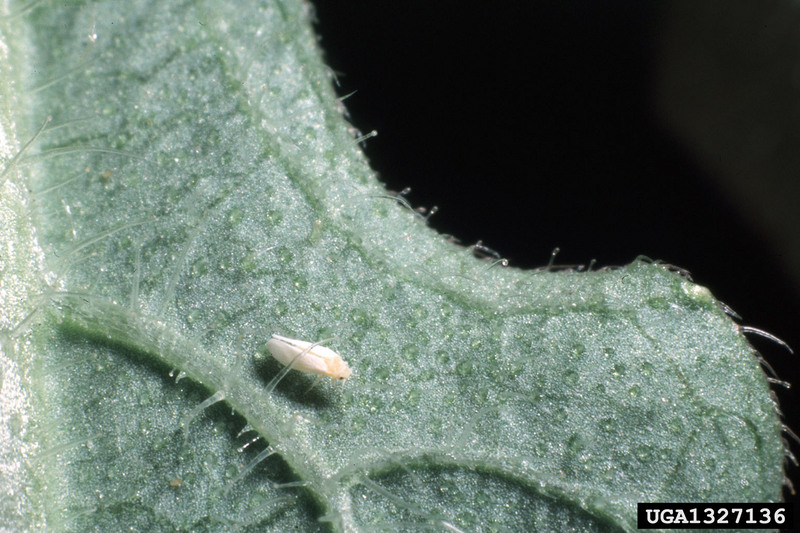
(606, 129)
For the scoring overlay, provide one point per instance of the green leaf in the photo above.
(192, 189)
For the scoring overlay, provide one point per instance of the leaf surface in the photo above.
(193, 189)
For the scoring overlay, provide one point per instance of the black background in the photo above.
(531, 126)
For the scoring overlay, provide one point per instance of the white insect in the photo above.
(308, 357)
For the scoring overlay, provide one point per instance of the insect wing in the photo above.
(287, 350)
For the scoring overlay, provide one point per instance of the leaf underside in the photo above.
(194, 190)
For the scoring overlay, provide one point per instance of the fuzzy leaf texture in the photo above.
(179, 183)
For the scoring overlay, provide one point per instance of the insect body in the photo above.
(308, 357)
